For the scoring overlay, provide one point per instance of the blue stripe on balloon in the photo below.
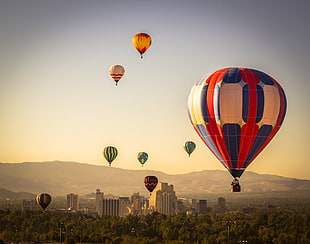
(284, 106)
(203, 104)
(261, 137)
(263, 77)
(232, 75)
(260, 103)
(245, 102)
(232, 138)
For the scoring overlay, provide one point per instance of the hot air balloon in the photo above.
(142, 157)
(189, 147)
(141, 42)
(43, 199)
(236, 112)
(116, 72)
(150, 182)
(110, 153)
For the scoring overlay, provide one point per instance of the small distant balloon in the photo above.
(142, 157)
(110, 153)
(189, 147)
(116, 72)
(43, 199)
(150, 182)
(141, 42)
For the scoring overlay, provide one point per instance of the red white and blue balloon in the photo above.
(236, 112)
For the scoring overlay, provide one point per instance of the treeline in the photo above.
(280, 227)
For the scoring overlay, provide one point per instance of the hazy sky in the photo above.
(58, 102)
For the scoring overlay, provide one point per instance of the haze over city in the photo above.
(58, 102)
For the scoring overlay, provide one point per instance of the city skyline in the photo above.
(58, 102)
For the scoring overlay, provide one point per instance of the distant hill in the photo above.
(59, 178)
(4, 194)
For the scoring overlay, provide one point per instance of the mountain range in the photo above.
(60, 178)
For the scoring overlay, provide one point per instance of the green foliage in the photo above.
(278, 227)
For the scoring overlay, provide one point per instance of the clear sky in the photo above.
(58, 102)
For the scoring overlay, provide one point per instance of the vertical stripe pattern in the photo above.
(43, 199)
(110, 153)
(236, 112)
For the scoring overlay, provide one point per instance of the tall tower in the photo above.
(99, 199)
(163, 199)
(73, 201)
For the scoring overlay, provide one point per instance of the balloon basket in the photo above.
(235, 186)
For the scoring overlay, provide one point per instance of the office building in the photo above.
(73, 202)
(136, 203)
(221, 202)
(125, 208)
(111, 207)
(220, 208)
(194, 203)
(163, 199)
(202, 206)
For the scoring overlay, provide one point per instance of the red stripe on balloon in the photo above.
(250, 129)
(214, 129)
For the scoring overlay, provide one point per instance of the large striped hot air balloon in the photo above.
(110, 153)
(116, 72)
(141, 42)
(43, 199)
(236, 112)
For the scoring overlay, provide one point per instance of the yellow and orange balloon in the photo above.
(141, 42)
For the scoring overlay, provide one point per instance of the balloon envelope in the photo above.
(116, 72)
(189, 147)
(236, 112)
(43, 199)
(110, 153)
(141, 42)
(150, 182)
(142, 157)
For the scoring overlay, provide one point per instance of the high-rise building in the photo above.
(220, 205)
(194, 203)
(99, 198)
(111, 207)
(73, 201)
(221, 202)
(202, 206)
(136, 203)
(124, 206)
(163, 199)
